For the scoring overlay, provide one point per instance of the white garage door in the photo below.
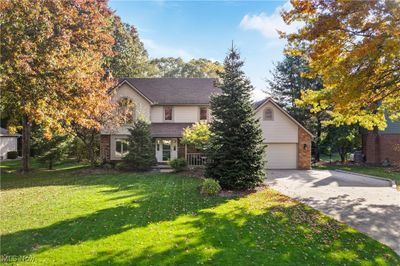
(281, 156)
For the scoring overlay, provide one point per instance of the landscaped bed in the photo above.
(74, 217)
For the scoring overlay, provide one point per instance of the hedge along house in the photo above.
(172, 104)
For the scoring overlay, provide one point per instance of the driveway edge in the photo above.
(370, 176)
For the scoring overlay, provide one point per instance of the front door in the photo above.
(166, 149)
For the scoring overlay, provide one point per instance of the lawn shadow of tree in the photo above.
(263, 228)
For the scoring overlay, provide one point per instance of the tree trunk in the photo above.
(91, 155)
(319, 132)
(342, 154)
(26, 145)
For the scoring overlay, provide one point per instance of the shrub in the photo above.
(107, 166)
(141, 147)
(178, 164)
(12, 155)
(210, 187)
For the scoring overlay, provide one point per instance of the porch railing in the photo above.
(196, 159)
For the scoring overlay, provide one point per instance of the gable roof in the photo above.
(259, 104)
(173, 90)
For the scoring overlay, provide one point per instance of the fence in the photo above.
(196, 159)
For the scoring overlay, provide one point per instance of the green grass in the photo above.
(66, 218)
(367, 170)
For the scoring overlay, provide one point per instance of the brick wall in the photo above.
(304, 150)
(379, 147)
(105, 147)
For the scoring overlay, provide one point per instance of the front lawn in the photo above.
(69, 218)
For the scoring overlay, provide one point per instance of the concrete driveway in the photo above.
(370, 205)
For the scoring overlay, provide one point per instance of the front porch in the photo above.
(167, 149)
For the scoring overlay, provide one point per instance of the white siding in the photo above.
(186, 114)
(180, 114)
(280, 130)
(281, 156)
(157, 114)
(7, 144)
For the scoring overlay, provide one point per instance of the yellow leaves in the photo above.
(356, 56)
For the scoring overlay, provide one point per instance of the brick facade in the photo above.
(379, 147)
(303, 150)
(105, 142)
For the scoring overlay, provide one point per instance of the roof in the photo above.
(259, 104)
(393, 127)
(173, 90)
(4, 133)
(168, 130)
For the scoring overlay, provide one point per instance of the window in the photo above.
(121, 147)
(268, 114)
(203, 113)
(168, 113)
(127, 109)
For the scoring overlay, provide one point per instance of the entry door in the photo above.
(166, 150)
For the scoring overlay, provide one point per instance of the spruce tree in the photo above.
(141, 148)
(236, 147)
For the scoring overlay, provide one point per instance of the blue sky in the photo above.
(205, 29)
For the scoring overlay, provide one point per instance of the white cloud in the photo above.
(156, 50)
(268, 25)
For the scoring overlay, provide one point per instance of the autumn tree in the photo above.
(354, 46)
(110, 115)
(52, 58)
(170, 67)
(197, 135)
(130, 58)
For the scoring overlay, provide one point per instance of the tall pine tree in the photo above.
(287, 82)
(236, 145)
(141, 148)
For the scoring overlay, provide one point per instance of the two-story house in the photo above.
(172, 104)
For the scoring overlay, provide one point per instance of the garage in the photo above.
(281, 156)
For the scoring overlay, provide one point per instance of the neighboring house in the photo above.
(172, 104)
(378, 146)
(8, 142)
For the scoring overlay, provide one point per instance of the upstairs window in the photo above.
(268, 114)
(168, 113)
(203, 113)
(121, 147)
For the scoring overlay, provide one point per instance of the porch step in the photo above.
(162, 168)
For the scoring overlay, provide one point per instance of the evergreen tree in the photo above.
(288, 80)
(50, 151)
(130, 57)
(236, 145)
(141, 148)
